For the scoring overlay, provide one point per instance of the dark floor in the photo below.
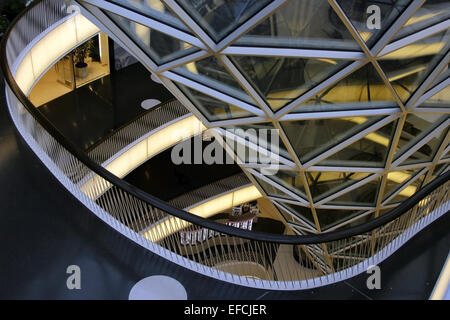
(89, 113)
(175, 180)
(43, 230)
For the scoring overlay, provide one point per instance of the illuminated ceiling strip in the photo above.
(224, 202)
(36, 58)
(159, 140)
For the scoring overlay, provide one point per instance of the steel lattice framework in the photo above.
(362, 110)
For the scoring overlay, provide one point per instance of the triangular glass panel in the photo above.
(290, 180)
(212, 108)
(304, 213)
(416, 127)
(365, 195)
(438, 170)
(408, 191)
(220, 18)
(331, 217)
(264, 135)
(396, 179)
(155, 9)
(364, 88)
(384, 211)
(430, 13)
(212, 73)
(371, 20)
(280, 80)
(324, 183)
(291, 218)
(309, 138)
(295, 25)
(439, 100)
(444, 74)
(370, 151)
(427, 151)
(160, 47)
(271, 190)
(407, 67)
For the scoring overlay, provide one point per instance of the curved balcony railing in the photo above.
(249, 258)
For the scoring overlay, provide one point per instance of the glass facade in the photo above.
(161, 47)
(345, 115)
(154, 9)
(294, 26)
(220, 18)
(407, 67)
(310, 138)
(281, 80)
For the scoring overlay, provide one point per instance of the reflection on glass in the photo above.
(330, 217)
(220, 18)
(362, 17)
(409, 190)
(159, 46)
(430, 13)
(271, 190)
(407, 67)
(154, 9)
(443, 75)
(370, 151)
(426, 153)
(416, 127)
(295, 25)
(439, 100)
(212, 73)
(364, 87)
(212, 108)
(365, 195)
(325, 183)
(439, 169)
(396, 179)
(262, 134)
(289, 217)
(309, 138)
(290, 180)
(281, 80)
(302, 212)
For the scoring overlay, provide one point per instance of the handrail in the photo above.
(126, 124)
(183, 215)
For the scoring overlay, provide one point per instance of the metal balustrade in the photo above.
(130, 132)
(270, 261)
